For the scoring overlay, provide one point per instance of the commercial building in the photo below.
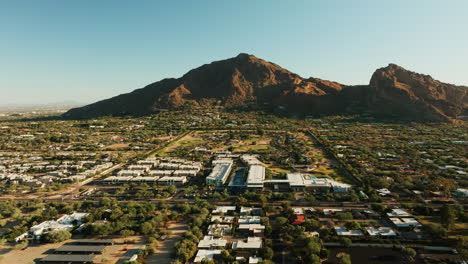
(220, 173)
(256, 177)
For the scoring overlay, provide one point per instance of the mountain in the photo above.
(246, 80)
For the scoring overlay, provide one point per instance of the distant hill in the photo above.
(246, 80)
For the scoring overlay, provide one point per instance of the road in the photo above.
(164, 251)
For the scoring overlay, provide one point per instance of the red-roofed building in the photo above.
(299, 219)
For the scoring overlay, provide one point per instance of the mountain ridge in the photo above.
(246, 80)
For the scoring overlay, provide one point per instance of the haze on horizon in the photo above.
(57, 51)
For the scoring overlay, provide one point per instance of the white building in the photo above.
(209, 242)
(206, 254)
(405, 222)
(223, 209)
(342, 231)
(251, 243)
(256, 177)
(382, 231)
(220, 173)
(168, 180)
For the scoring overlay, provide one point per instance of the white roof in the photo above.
(249, 219)
(210, 241)
(255, 260)
(329, 211)
(405, 222)
(206, 254)
(256, 175)
(398, 213)
(222, 219)
(223, 209)
(251, 243)
(380, 231)
(245, 210)
(252, 227)
(342, 231)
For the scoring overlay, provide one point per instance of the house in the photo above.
(383, 232)
(219, 230)
(252, 243)
(398, 213)
(222, 219)
(172, 180)
(255, 260)
(405, 222)
(206, 254)
(250, 211)
(124, 173)
(66, 222)
(343, 231)
(223, 209)
(251, 229)
(298, 219)
(249, 219)
(383, 192)
(209, 242)
(460, 192)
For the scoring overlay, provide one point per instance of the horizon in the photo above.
(86, 52)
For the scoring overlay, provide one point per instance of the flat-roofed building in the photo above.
(250, 211)
(142, 168)
(223, 209)
(252, 243)
(219, 230)
(80, 249)
(168, 166)
(252, 229)
(145, 179)
(343, 231)
(133, 173)
(209, 242)
(117, 179)
(206, 254)
(68, 259)
(107, 242)
(405, 222)
(383, 232)
(220, 172)
(256, 177)
(161, 173)
(222, 219)
(249, 219)
(172, 180)
(398, 213)
(188, 173)
(151, 162)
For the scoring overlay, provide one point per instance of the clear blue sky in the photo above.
(87, 50)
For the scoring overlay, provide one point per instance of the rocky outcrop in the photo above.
(247, 80)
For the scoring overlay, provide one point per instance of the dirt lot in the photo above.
(166, 248)
(28, 255)
(115, 254)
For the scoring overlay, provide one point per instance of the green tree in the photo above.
(343, 258)
(409, 253)
(146, 228)
(56, 236)
(447, 216)
(346, 241)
